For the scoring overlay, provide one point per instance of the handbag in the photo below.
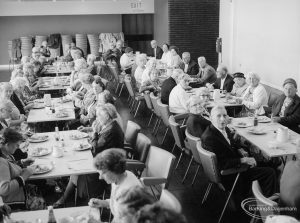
(34, 199)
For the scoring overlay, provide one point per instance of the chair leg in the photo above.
(157, 127)
(206, 192)
(179, 159)
(153, 193)
(233, 186)
(137, 108)
(166, 132)
(75, 198)
(173, 147)
(153, 130)
(150, 119)
(187, 170)
(116, 91)
(132, 106)
(121, 89)
(128, 98)
(198, 167)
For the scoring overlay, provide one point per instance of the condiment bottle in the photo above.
(255, 122)
(51, 217)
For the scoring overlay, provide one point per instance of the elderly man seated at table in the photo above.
(255, 96)
(127, 60)
(224, 80)
(141, 61)
(157, 52)
(198, 118)
(207, 74)
(239, 87)
(178, 97)
(111, 166)
(286, 109)
(169, 84)
(12, 175)
(153, 84)
(218, 139)
(190, 66)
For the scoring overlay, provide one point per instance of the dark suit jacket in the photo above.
(208, 76)
(291, 117)
(196, 125)
(193, 68)
(227, 154)
(110, 137)
(15, 99)
(1, 126)
(228, 83)
(159, 53)
(166, 89)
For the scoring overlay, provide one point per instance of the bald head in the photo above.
(218, 116)
(202, 62)
(222, 71)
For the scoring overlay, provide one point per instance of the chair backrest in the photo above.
(142, 147)
(154, 103)
(160, 164)
(209, 164)
(261, 200)
(192, 141)
(131, 132)
(177, 131)
(129, 87)
(164, 111)
(148, 99)
(168, 200)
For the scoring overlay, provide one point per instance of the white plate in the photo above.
(61, 115)
(38, 138)
(82, 146)
(79, 135)
(42, 168)
(230, 101)
(38, 106)
(257, 131)
(40, 151)
(39, 100)
(264, 120)
(242, 125)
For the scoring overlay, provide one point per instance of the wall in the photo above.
(161, 21)
(194, 27)
(14, 27)
(262, 36)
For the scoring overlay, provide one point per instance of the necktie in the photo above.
(225, 136)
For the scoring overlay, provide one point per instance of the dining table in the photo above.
(264, 136)
(64, 111)
(52, 69)
(61, 215)
(71, 155)
(54, 83)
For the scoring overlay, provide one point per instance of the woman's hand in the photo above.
(5, 210)
(27, 162)
(97, 203)
(27, 172)
(81, 128)
(22, 118)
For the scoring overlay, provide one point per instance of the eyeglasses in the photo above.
(204, 95)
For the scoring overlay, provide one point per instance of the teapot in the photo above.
(216, 94)
(282, 134)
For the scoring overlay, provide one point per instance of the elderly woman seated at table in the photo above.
(12, 175)
(16, 73)
(174, 61)
(239, 86)
(255, 96)
(79, 66)
(198, 118)
(178, 97)
(150, 65)
(97, 88)
(86, 97)
(167, 54)
(286, 109)
(19, 86)
(7, 95)
(141, 61)
(76, 53)
(32, 84)
(129, 202)
(5, 111)
(92, 68)
(153, 84)
(111, 166)
(36, 53)
(37, 68)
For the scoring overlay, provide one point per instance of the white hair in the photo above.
(253, 75)
(216, 108)
(201, 59)
(184, 54)
(141, 59)
(18, 82)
